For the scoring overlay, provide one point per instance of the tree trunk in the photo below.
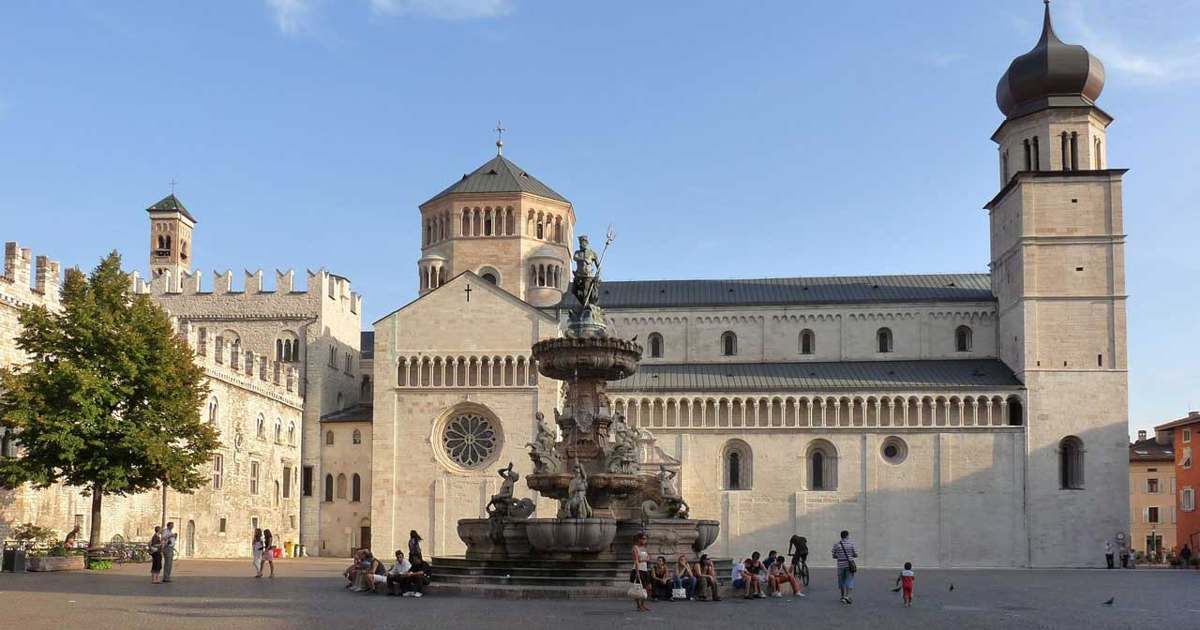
(94, 536)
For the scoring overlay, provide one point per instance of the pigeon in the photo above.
(1110, 601)
(952, 587)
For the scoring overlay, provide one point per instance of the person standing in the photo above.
(641, 570)
(844, 552)
(155, 549)
(268, 551)
(414, 545)
(1185, 555)
(256, 547)
(905, 582)
(168, 546)
(1108, 553)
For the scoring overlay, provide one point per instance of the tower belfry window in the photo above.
(1037, 159)
(1066, 159)
(1074, 151)
(1028, 157)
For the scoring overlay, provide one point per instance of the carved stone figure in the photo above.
(665, 485)
(576, 504)
(673, 507)
(503, 505)
(586, 281)
(543, 450)
(622, 457)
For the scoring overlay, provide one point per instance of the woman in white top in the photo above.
(257, 547)
(641, 569)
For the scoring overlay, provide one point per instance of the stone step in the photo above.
(522, 591)
(442, 578)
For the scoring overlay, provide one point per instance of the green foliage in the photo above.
(110, 397)
(99, 565)
(30, 533)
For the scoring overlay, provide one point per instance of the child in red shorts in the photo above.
(905, 582)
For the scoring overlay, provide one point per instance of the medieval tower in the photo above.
(1058, 273)
(170, 239)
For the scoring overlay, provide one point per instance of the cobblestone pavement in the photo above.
(308, 594)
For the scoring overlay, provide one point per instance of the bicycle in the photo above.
(801, 569)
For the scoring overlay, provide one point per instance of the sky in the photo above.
(719, 139)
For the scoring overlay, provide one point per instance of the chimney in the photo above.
(1141, 435)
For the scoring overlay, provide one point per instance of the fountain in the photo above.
(606, 496)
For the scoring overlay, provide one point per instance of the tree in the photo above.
(109, 399)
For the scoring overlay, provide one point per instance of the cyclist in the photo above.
(799, 544)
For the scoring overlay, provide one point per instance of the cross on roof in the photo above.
(172, 183)
(499, 137)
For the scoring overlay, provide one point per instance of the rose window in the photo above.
(469, 439)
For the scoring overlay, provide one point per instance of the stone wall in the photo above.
(344, 517)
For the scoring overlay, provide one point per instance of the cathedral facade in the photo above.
(974, 420)
(946, 419)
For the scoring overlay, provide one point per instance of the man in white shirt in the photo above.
(169, 536)
(395, 576)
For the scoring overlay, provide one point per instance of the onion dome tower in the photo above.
(1058, 274)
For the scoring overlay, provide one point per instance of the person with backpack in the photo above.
(844, 552)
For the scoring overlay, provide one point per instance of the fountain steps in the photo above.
(537, 579)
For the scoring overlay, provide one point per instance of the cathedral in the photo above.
(948, 419)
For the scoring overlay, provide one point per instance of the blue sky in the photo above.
(721, 139)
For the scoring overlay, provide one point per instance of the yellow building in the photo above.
(1151, 495)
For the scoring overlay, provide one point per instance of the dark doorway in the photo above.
(365, 538)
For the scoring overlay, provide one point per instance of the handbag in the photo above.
(678, 593)
(635, 591)
(850, 566)
(633, 576)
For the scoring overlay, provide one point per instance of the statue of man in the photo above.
(666, 488)
(587, 265)
(510, 477)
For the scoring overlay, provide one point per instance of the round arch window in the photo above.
(490, 277)
(470, 438)
(894, 450)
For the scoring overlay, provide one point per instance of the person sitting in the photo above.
(418, 574)
(351, 572)
(752, 570)
(396, 575)
(781, 574)
(660, 580)
(738, 576)
(684, 577)
(370, 568)
(706, 579)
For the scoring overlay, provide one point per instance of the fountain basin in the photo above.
(571, 535)
(708, 532)
(572, 359)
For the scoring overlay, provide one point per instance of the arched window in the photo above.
(213, 408)
(655, 342)
(356, 437)
(1066, 158)
(737, 466)
(329, 487)
(278, 431)
(1037, 156)
(1028, 157)
(883, 340)
(260, 427)
(356, 488)
(1098, 162)
(963, 339)
(339, 400)
(218, 470)
(822, 466)
(1016, 414)
(1070, 463)
(728, 343)
(291, 433)
(341, 486)
(490, 277)
(329, 438)
(807, 342)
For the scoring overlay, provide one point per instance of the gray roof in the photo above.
(499, 175)
(362, 412)
(966, 287)
(366, 344)
(171, 203)
(820, 377)
(1151, 450)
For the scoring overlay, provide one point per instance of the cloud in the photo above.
(444, 9)
(292, 16)
(1159, 61)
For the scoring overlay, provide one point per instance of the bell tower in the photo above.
(1058, 274)
(503, 224)
(170, 238)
